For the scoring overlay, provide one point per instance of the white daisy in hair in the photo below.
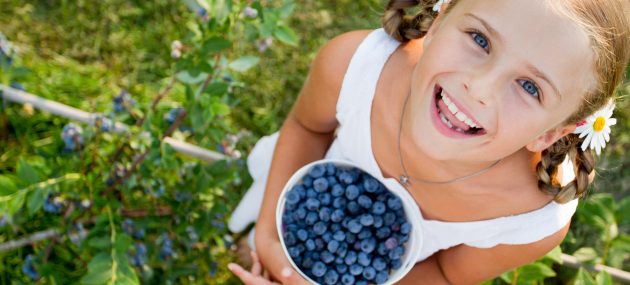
(596, 128)
(438, 6)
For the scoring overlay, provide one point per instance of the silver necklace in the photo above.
(405, 179)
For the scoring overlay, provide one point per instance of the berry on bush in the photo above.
(72, 136)
(29, 269)
(342, 226)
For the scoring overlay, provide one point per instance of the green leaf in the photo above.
(286, 35)
(555, 255)
(622, 214)
(535, 272)
(100, 242)
(27, 173)
(36, 200)
(215, 44)
(99, 269)
(7, 187)
(186, 77)
(16, 203)
(603, 278)
(583, 278)
(585, 254)
(244, 63)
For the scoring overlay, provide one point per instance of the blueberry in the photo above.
(396, 253)
(325, 198)
(352, 192)
(333, 245)
(331, 277)
(378, 221)
(347, 279)
(324, 214)
(368, 245)
(356, 269)
(339, 235)
(345, 177)
(364, 201)
(319, 244)
(396, 264)
(307, 263)
(293, 252)
(319, 228)
(405, 228)
(320, 184)
(364, 233)
(340, 203)
(311, 218)
(381, 277)
(310, 245)
(293, 197)
(313, 204)
(354, 226)
(341, 268)
(335, 227)
(367, 220)
(379, 264)
(382, 249)
(378, 208)
(383, 233)
(362, 282)
(394, 203)
(332, 180)
(391, 243)
(307, 181)
(302, 234)
(364, 259)
(389, 219)
(311, 193)
(319, 269)
(331, 169)
(327, 257)
(369, 273)
(395, 227)
(371, 185)
(300, 213)
(337, 190)
(350, 258)
(342, 250)
(353, 207)
(317, 171)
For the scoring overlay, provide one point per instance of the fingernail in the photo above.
(230, 266)
(286, 272)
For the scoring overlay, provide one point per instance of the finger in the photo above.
(241, 273)
(256, 266)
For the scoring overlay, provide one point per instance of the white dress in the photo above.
(353, 143)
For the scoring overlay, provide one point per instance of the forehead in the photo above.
(537, 32)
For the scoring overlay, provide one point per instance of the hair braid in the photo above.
(404, 27)
(553, 156)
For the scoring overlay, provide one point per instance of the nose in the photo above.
(481, 83)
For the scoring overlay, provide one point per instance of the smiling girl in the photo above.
(471, 113)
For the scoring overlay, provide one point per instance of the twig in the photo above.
(13, 244)
(160, 211)
(617, 274)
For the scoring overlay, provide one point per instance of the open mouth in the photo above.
(453, 117)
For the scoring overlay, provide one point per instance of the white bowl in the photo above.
(412, 246)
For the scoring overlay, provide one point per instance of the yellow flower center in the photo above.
(599, 124)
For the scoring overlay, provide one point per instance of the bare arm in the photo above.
(304, 137)
(469, 265)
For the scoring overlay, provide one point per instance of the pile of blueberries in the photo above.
(341, 225)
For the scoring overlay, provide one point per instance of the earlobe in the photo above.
(548, 138)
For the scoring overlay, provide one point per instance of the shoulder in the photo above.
(470, 265)
(333, 59)
(315, 108)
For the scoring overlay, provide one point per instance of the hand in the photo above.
(254, 276)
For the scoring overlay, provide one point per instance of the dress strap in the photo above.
(364, 70)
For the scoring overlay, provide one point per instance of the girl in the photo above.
(470, 113)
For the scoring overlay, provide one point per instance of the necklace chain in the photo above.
(405, 179)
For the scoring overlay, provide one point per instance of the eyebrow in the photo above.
(529, 66)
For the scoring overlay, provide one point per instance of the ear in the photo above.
(549, 137)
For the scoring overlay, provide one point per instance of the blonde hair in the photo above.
(607, 25)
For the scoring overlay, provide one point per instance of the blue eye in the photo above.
(530, 88)
(481, 40)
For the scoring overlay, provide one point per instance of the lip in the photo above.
(441, 126)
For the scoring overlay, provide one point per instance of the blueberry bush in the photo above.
(93, 204)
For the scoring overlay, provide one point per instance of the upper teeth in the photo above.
(460, 116)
